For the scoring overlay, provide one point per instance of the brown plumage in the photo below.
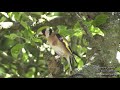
(57, 44)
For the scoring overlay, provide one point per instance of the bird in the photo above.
(59, 45)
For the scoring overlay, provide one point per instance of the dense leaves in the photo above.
(24, 52)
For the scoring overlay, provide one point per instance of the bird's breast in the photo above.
(58, 47)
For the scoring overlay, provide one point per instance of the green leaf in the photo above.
(18, 15)
(29, 36)
(24, 16)
(118, 69)
(64, 31)
(56, 13)
(100, 19)
(25, 56)
(3, 19)
(37, 13)
(24, 24)
(10, 14)
(15, 51)
(7, 44)
(11, 36)
(2, 71)
(80, 64)
(77, 26)
(32, 49)
(42, 28)
(96, 30)
(37, 40)
(30, 73)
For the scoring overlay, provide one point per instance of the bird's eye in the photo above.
(43, 31)
(50, 31)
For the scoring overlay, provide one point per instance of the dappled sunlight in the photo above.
(75, 42)
(6, 25)
(118, 56)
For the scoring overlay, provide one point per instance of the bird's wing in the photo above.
(65, 43)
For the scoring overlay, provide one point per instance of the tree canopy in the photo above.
(94, 37)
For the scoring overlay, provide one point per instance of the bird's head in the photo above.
(47, 32)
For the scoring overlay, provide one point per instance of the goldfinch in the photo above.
(58, 45)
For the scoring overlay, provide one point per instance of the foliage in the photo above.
(24, 52)
(100, 19)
